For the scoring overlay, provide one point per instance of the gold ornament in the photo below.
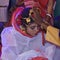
(28, 20)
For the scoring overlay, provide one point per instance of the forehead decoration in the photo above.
(26, 16)
(27, 20)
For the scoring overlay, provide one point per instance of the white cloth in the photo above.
(14, 44)
(28, 55)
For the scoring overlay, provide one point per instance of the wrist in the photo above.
(44, 26)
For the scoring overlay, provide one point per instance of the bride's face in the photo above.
(32, 29)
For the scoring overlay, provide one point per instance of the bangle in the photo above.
(49, 15)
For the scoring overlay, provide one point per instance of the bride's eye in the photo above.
(33, 27)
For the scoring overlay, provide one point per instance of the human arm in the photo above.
(50, 6)
(49, 10)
